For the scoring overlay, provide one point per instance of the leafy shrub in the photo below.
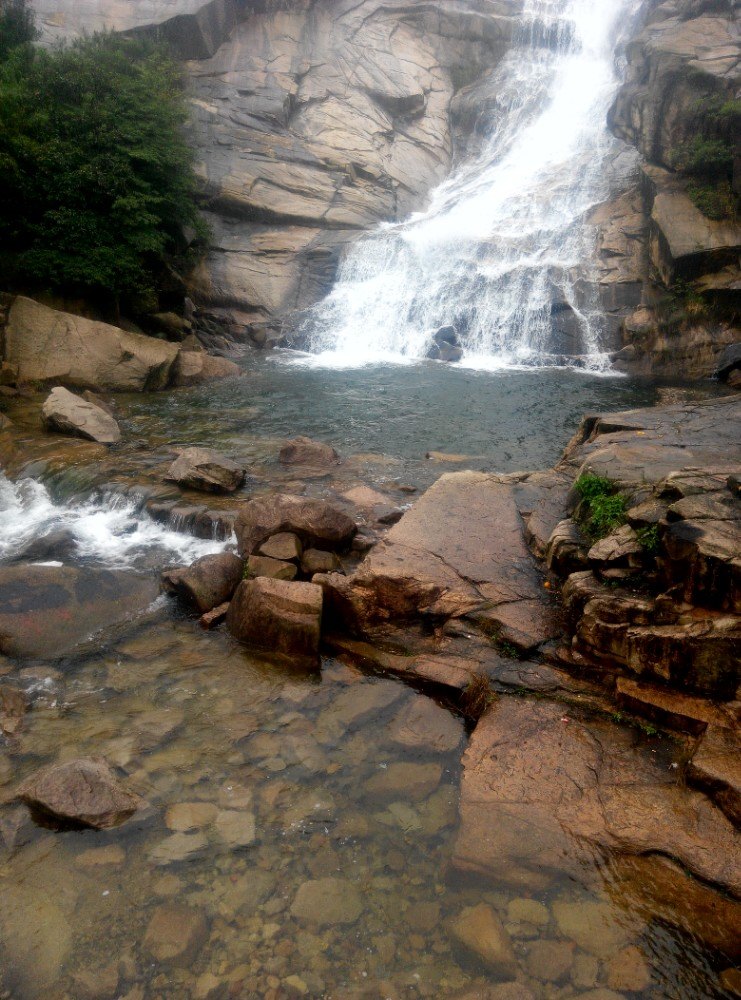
(707, 157)
(96, 179)
(602, 508)
(649, 538)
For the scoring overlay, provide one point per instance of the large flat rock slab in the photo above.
(460, 550)
(647, 445)
(45, 611)
(545, 791)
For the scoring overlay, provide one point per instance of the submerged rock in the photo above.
(542, 790)
(63, 411)
(207, 470)
(47, 610)
(175, 934)
(304, 451)
(315, 522)
(479, 931)
(327, 902)
(206, 583)
(279, 617)
(83, 790)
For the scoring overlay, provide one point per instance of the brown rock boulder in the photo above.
(83, 791)
(69, 414)
(304, 451)
(175, 934)
(46, 345)
(279, 617)
(276, 569)
(207, 470)
(479, 931)
(197, 367)
(716, 768)
(316, 522)
(206, 583)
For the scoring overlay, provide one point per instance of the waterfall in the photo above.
(502, 250)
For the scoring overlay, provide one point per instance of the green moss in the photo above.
(707, 156)
(602, 508)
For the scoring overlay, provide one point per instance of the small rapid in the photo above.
(503, 247)
(111, 531)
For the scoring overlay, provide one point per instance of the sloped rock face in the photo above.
(543, 791)
(313, 121)
(46, 345)
(687, 53)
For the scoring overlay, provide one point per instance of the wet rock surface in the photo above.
(279, 617)
(207, 470)
(69, 414)
(84, 791)
(45, 611)
(207, 582)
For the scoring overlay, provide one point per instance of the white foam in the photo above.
(112, 531)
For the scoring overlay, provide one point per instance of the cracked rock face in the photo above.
(313, 121)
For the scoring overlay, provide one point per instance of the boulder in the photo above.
(304, 451)
(197, 367)
(276, 569)
(207, 470)
(82, 791)
(175, 934)
(479, 931)
(70, 414)
(284, 546)
(279, 617)
(206, 583)
(315, 522)
(327, 902)
(728, 362)
(46, 345)
(47, 610)
(316, 561)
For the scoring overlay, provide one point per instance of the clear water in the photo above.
(503, 239)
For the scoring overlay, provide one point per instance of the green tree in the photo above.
(17, 26)
(96, 179)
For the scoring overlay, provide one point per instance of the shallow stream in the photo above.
(261, 784)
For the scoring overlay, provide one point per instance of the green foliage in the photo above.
(707, 157)
(17, 26)
(648, 537)
(602, 508)
(96, 180)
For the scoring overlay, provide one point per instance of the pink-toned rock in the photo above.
(278, 616)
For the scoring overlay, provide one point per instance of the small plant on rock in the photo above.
(476, 698)
(602, 508)
(649, 538)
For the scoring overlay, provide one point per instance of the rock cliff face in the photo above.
(313, 121)
(671, 272)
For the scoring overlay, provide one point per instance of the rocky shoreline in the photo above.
(490, 583)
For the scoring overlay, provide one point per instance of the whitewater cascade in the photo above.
(110, 531)
(503, 246)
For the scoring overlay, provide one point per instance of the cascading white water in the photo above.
(114, 533)
(503, 244)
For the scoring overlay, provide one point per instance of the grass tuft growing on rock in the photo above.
(476, 697)
(602, 508)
